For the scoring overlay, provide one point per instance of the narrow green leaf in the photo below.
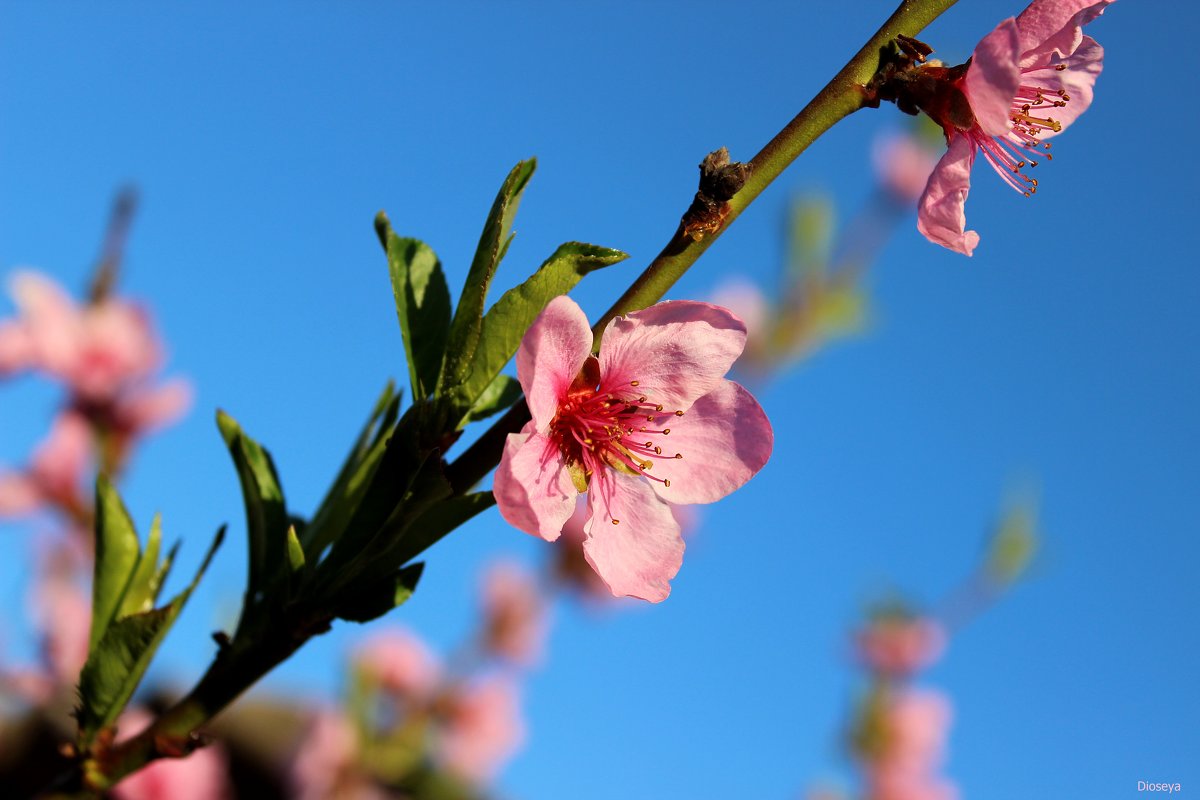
(115, 666)
(352, 479)
(422, 305)
(435, 523)
(295, 550)
(140, 594)
(116, 558)
(493, 244)
(507, 321)
(266, 513)
(381, 597)
(501, 393)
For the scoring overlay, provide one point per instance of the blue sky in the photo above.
(1062, 355)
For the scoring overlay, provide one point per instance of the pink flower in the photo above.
(64, 614)
(915, 727)
(200, 776)
(55, 472)
(900, 646)
(514, 613)
(903, 165)
(1026, 82)
(326, 763)
(481, 729)
(96, 349)
(399, 663)
(650, 422)
(893, 785)
(16, 349)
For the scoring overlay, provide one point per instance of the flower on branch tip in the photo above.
(649, 422)
(900, 646)
(1026, 82)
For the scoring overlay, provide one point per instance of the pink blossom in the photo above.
(900, 646)
(202, 775)
(1026, 82)
(915, 727)
(481, 729)
(650, 422)
(16, 348)
(64, 614)
(886, 784)
(326, 763)
(55, 472)
(903, 165)
(514, 612)
(400, 663)
(96, 349)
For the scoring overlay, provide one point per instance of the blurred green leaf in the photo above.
(507, 321)
(116, 664)
(382, 596)
(427, 529)
(117, 554)
(1014, 544)
(422, 305)
(810, 236)
(493, 244)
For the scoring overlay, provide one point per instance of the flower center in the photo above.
(622, 429)
(1031, 119)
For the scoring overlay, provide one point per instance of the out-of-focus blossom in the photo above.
(1026, 82)
(650, 422)
(325, 766)
(915, 725)
(64, 615)
(203, 775)
(900, 646)
(398, 662)
(55, 472)
(147, 408)
(903, 165)
(96, 349)
(514, 612)
(16, 348)
(481, 729)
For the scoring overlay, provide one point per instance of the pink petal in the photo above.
(940, 214)
(117, 345)
(400, 663)
(532, 486)
(19, 494)
(514, 613)
(52, 321)
(1051, 28)
(640, 554)
(724, 439)
(902, 165)
(1077, 80)
(994, 77)
(64, 613)
(676, 351)
(60, 461)
(483, 730)
(145, 409)
(552, 352)
(16, 348)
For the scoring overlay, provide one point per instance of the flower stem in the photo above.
(841, 97)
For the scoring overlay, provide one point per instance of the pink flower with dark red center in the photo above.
(481, 729)
(650, 421)
(514, 612)
(900, 646)
(1027, 81)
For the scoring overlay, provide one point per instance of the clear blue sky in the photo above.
(265, 137)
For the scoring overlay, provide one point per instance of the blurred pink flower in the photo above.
(144, 408)
(903, 165)
(601, 425)
(16, 348)
(64, 615)
(203, 775)
(900, 647)
(1027, 81)
(56, 471)
(514, 611)
(96, 349)
(894, 785)
(481, 729)
(325, 766)
(916, 723)
(400, 663)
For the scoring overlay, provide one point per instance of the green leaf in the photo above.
(295, 550)
(381, 597)
(493, 244)
(266, 513)
(140, 594)
(501, 393)
(352, 480)
(430, 527)
(507, 321)
(115, 666)
(422, 305)
(116, 558)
